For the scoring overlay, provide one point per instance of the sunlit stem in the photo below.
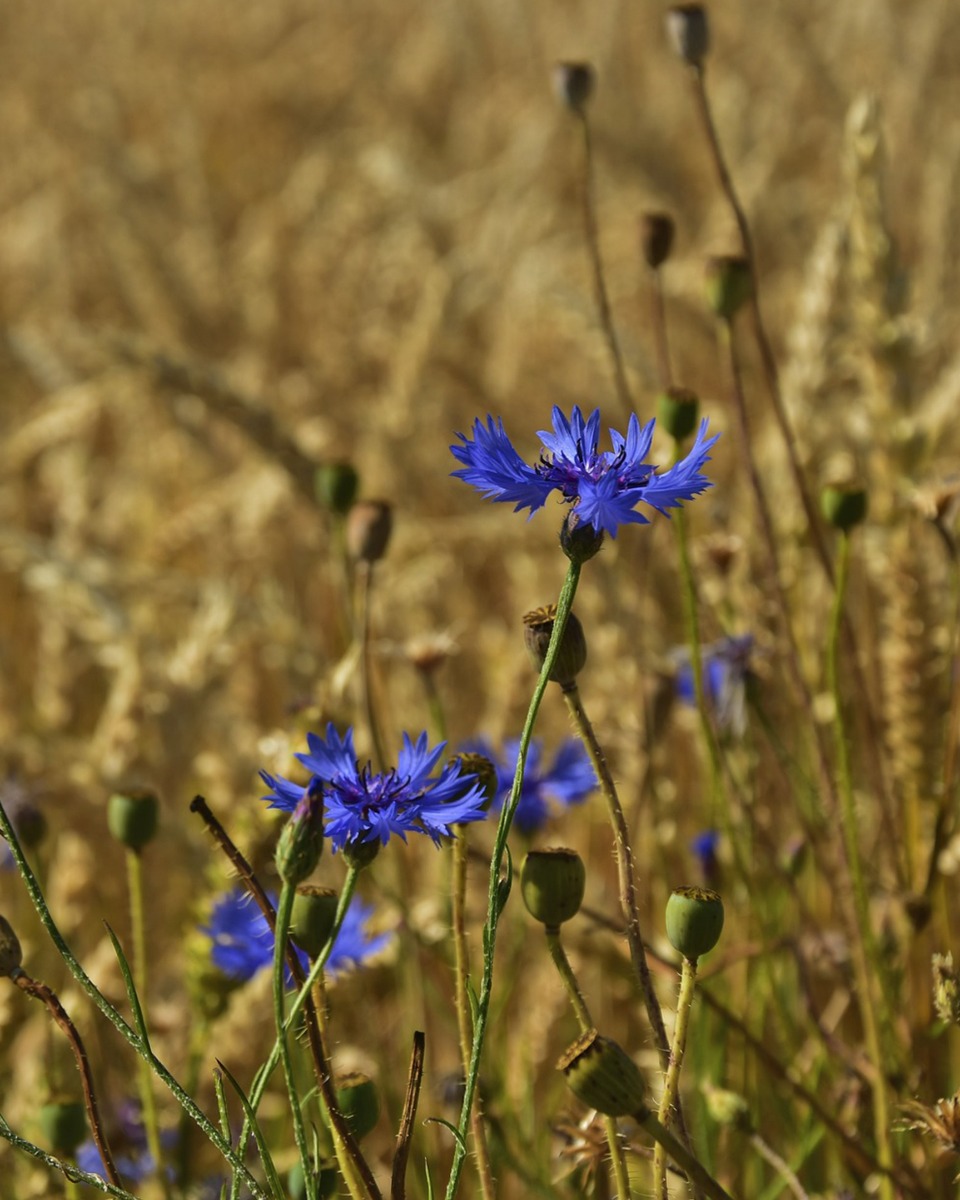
(671, 1082)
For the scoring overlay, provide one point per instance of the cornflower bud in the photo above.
(604, 1077)
(579, 540)
(336, 485)
(677, 411)
(11, 956)
(132, 817)
(369, 523)
(574, 83)
(311, 921)
(689, 32)
(656, 238)
(729, 284)
(301, 840)
(844, 505)
(537, 632)
(552, 883)
(694, 920)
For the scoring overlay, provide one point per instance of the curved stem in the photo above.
(498, 891)
(671, 1083)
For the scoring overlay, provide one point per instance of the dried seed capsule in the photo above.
(844, 506)
(574, 83)
(656, 237)
(603, 1076)
(729, 284)
(677, 411)
(552, 883)
(694, 920)
(537, 632)
(311, 921)
(132, 817)
(689, 32)
(369, 523)
(359, 1101)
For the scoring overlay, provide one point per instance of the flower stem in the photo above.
(696, 1172)
(658, 319)
(370, 708)
(688, 982)
(498, 892)
(144, 1074)
(284, 909)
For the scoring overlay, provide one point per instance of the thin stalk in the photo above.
(132, 1038)
(696, 1172)
(71, 1173)
(405, 1132)
(780, 1165)
(151, 1124)
(46, 996)
(671, 1082)
(498, 894)
(464, 1017)
(658, 319)
(627, 883)
(284, 909)
(369, 707)
(864, 945)
(592, 235)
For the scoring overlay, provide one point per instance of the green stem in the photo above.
(370, 708)
(284, 909)
(696, 1172)
(103, 1004)
(671, 1083)
(864, 945)
(138, 923)
(497, 893)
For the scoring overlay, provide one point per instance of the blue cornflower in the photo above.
(726, 669)
(243, 942)
(605, 486)
(704, 847)
(361, 805)
(569, 779)
(128, 1145)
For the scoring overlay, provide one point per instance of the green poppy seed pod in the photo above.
(311, 921)
(478, 767)
(132, 817)
(574, 83)
(369, 523)
(694, 920)
(537, 632)
(677, 411)
(336, 485)
(64, 1125)
(729, 284)
(11, 956)
(359, 1101)
(844, 506)
(361, 854)
(552, 883)
(604, 1077)
(689, 32)
(579, 540)
(301, 840)
(656, 238)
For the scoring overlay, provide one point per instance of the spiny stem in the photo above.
(671, 1083)
(405, 1132)
(496, 896)
(284, 909)
(696, 1172)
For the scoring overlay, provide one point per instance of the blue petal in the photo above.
(492, 465)
(683, 480)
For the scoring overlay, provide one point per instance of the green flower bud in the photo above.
(11, 956)
(844, 506)
(336, 485)
(689, 32)
(552, 883)
(311, 921)
(301, 840)
(579, 540)
(574, 84)
(694, 920)
(677, 411)
(537, 632)
(656, 238)
(132, 817)
(369, 523)
(359, 1101)
(64, 1125)
(729, 285)
(361, 854)
(604, 1077)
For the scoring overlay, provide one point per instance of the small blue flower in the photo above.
(569, 780)
(605, 486)
(361, 805)
(726, 669)
(704, 848)
(243, 942)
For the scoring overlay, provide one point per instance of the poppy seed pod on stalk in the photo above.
(537, 632)
(552, 884)
(604, 1076)
(694, 920)
(689, 32)
(678, 410)
(656, 238)
(574, 83)
(369, 523)
(132, 817)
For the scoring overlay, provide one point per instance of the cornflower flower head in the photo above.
(362, 805)
(568, 780)
(243, 942)
(726, 670)
(603, 486)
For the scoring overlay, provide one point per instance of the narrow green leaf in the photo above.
(453, 1129)
(273, 1179)
(135, 1006)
